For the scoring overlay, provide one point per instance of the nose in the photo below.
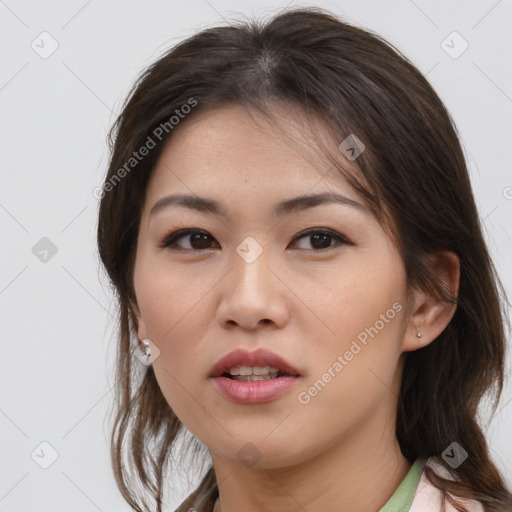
(253, 296)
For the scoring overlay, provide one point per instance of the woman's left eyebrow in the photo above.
(207, 205)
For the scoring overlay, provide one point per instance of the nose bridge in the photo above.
(252, 293)
(251, 262)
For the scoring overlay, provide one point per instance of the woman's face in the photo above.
(254, 277)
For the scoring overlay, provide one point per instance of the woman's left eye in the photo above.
(201, 240)
(319, 238)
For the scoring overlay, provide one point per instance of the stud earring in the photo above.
(418, 334)
(147, 348)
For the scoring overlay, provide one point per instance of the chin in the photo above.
(254, 450)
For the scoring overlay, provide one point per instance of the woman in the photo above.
(318, 376)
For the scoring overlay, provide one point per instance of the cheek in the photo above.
(352, 371)
(176, 307)
(175, 318)
(354, 301)
(358, 330)
(169, 300)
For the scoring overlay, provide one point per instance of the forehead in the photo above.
(238, 154)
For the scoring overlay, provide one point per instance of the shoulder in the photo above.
(429, 498)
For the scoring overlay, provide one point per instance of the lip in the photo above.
(259, 357)
(256, 392)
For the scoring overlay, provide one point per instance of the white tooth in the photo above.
(245, 370)
(253, 370)
(235, 370)
(260, 370)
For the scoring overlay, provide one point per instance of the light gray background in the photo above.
(57, 332)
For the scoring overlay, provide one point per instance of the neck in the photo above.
(358, 474)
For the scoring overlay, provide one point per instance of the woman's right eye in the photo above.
(197, 240)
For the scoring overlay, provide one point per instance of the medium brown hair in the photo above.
(413, 166)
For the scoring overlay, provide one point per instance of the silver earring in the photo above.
(418, 334)
(147, 348)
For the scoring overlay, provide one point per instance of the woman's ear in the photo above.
(139, 322)
(430, 314)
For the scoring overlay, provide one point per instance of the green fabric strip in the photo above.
(402, 498)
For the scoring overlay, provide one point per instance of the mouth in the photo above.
(252, 378)
(245, 366)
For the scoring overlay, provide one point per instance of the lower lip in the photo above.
(256, 392)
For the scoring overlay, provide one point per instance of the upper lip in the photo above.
(259, 357)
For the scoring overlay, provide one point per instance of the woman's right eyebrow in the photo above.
(214, 207)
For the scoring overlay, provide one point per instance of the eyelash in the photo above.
(172, 237)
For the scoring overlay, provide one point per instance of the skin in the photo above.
(307, 304)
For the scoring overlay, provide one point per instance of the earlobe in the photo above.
(431, 313)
